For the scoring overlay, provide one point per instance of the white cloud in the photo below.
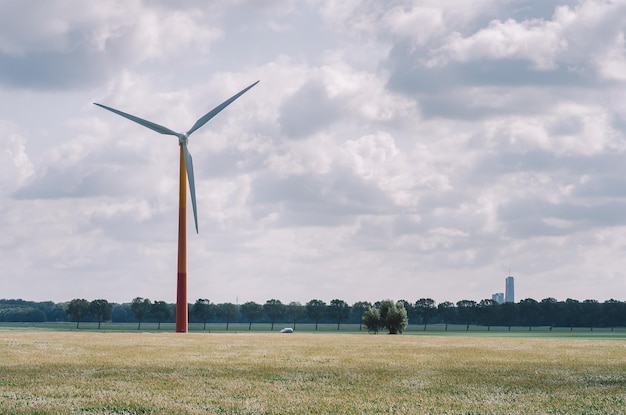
(64, 43)
(350, 163)
(15, 165)
(590, 33)
(538, 42)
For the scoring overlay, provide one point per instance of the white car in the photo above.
(287, 330)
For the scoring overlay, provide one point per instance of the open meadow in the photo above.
(57, 372)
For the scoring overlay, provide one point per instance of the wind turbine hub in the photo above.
(183, 138)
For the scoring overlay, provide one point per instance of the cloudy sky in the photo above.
(397, 149)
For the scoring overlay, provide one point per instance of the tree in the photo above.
(295, 311)
(410, 310)
(101, 310)
(425, 309)
(508, 314)
(445, 311)
(78, 309)
(358, 310)
(529, 311)
(251, 311)
(487, 312)
(203, 309)
(614, 313)
(571, 311)
(338, 311)
(393, 316)
(274, 310)
(371, 320)
(467, 311)
(228, 311)
(141, 309)
(315, 310)
(161, 311)
(549, 308)
(22, 314)
(591, 311)
(122, 313)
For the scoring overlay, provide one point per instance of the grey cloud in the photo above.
(619, 123)
(75, 182)
(79, 46)
(461, 90)
(307, 111)
(566, 126)
(600, 186)
(531, 9)
(572, 167)
(441, 91)
(227, 162)
(327, 200)
(494, 165)
(49, 70)
(531, 217)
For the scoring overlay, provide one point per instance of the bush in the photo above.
(389, 315)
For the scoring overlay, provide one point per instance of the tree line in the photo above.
(391, 315)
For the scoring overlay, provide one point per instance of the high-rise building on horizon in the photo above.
(498, 297)
(509, 291)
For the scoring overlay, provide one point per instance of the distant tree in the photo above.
(315, 310)
(358, 309)
(571, 311)
(274, 310)
(338, 311)
(141, 309)
(160, 310)
(52, 311)
(251, 311)
(614, 313)
(22, 314)
(529, 311)
(122, 313)
(508, 314)
(467, 311)
(410, 310)
(591, 311)
(295, 312)
(203, 310)
(549, 310)
(228, 311)
(425, 309)
(446, 312)
(371, 320)
(393, 316)
(487, 312)
(78, 309)
(101, 310)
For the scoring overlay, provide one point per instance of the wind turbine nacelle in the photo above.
(183, 138)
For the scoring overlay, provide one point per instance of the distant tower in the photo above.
(509, 292)
(498, 298)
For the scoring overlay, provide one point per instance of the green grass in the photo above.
(433, 329)
(90, 372)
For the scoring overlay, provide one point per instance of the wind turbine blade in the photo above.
(155, 127)
(192, 184)
(217, 109)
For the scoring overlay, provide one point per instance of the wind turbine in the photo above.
(186, 166)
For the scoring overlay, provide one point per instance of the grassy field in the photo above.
(90, 372)
(439, 329)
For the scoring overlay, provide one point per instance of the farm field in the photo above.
(91, 372)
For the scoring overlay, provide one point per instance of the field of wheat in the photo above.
(52, 372)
